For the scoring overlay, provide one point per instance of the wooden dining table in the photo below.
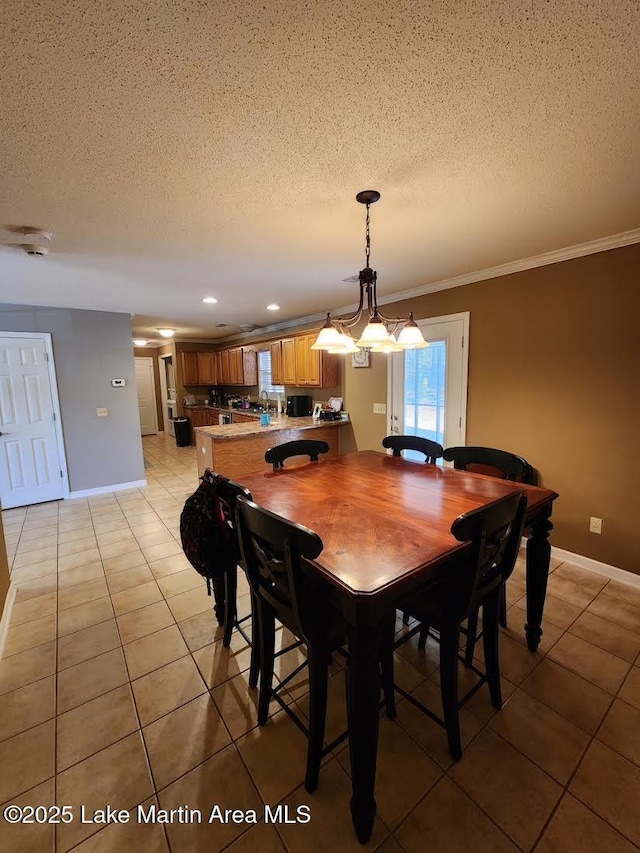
(385, 523)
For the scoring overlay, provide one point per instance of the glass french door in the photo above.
(428, 387)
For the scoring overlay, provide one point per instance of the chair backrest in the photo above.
(431, 449)
(302, 447)
(227, 493)
(495, 532)
(495, 463)
(272, 551)
(207, 526)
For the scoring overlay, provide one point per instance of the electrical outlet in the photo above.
(379, 408)
(595, 525)
(102, 413)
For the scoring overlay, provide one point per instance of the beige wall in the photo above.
(554, 363)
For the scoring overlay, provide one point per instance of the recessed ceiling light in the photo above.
(210, 300)
(273, 307)
(167, 333)
(140, 342)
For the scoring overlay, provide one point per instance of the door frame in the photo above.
(55, 400)
(149, 359)
(164, 391)
(424, 324)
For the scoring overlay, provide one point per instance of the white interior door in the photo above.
(428, 387)
(31, 455)
(146, 396)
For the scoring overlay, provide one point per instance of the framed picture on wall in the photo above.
(362, 358)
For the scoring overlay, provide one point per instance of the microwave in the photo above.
(299, 405)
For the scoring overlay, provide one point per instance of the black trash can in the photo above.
(182, 427)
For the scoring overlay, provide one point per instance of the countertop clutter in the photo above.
(253, 427)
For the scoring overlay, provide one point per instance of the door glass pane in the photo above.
(425, 383)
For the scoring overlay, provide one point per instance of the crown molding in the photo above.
(567, 253)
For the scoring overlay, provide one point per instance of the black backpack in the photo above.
(209, 543)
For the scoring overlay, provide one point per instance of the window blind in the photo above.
(265, 382)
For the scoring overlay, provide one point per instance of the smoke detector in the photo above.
(35, 241)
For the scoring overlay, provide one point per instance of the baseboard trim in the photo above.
(6, 616)
(591, 565)
(103, 490)
(595, 566)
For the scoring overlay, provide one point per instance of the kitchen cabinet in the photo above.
(206, 368)
(315, 368)
(277, 367)
(198, 417)
(237, 366)
(189, 362)
(198, 368)
(288, 361)
(223, 365)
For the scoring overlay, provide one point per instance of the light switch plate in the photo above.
(102, 413)
(379, 408)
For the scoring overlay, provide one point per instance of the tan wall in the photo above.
(554, 363)
(145, 352)
(4, 569)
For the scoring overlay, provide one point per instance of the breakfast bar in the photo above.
(237, 449)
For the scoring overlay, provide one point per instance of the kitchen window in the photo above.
(265, 382)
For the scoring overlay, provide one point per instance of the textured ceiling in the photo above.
(180, 150)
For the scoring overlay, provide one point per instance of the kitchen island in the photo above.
(237, 449)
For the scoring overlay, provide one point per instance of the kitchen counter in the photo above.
(237, 449)
(278, 423)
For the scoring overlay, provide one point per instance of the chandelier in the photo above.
(379, 335)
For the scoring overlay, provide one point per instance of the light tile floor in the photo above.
(115, 689)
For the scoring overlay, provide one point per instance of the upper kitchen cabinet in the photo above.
(289, 375)
(189, 361)
(198, 368)
(207, 368)
(237, 366)
(315, 368)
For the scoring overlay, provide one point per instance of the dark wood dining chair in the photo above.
(431, 449)
(226, 494)
(494, 463)
(303, 447)
(489, 460)
(273, 552)
(494, 534)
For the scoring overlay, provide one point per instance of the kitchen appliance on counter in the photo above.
(299, 405)
(329, 415)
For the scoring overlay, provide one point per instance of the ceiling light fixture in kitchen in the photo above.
(210, 300)
(379, 333)
(273, 307)
(140, 342)
(167, 333)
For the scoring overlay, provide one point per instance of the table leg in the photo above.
(363, 700)
(538, 558)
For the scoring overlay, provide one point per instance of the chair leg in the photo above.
(318, 679)
(219, 593)
(503, 605)
(472, 635)
(267, 629)
(386, 670)
(424, 635)
(254, 667)
(490, 640)
(449, 636)
(230, 590)
(405, 617)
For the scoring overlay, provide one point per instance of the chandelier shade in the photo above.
(377, 335)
